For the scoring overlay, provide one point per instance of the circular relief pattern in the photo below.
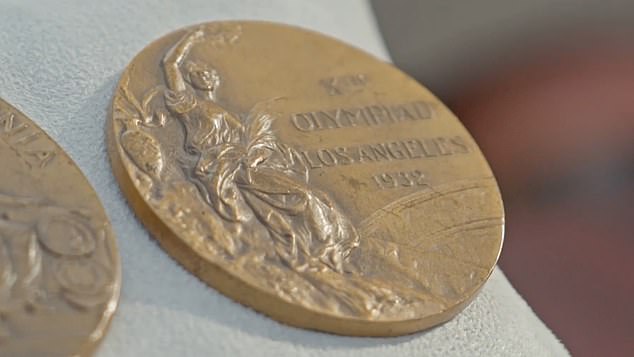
(81, 276)
(66, 235)
(60, 273)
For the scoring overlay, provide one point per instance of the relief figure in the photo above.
(245, 174)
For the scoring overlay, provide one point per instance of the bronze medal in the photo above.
(60, 274)
(305, 178)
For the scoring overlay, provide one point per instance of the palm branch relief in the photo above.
(140, 146)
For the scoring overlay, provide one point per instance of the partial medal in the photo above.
(305, 178)
(60, 273)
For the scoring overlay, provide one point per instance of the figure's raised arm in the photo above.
(174, 59)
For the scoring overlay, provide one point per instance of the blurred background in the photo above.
(546, 87)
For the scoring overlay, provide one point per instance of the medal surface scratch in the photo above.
(377, 213)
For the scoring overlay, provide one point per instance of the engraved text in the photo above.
(408, 149)
(373, 115)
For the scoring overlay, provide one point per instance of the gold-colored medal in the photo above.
(305, 178)
(60, 273)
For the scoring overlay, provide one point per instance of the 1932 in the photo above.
(387, 180)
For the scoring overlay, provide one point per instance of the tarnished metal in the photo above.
(305, 178)
(60, 274)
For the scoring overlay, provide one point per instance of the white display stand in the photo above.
(59, 64)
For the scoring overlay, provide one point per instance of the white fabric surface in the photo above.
(59, 63)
